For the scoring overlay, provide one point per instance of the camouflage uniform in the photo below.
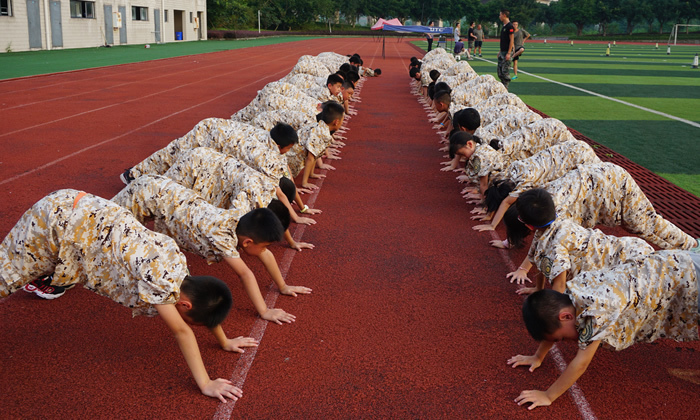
(312, 138)
(535, 137)
(640, 301)
(276, 95)
(215, 133)
(489, 115)
(604, 193)
(507, 124)
(222, 181)
(268, 119)
(501, 99)
(180, 213)
(94, 242)
(567, 246)
(304, 81)
(308, 64)
(549, 164)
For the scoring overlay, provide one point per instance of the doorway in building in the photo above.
(179, 24)
(200, 20)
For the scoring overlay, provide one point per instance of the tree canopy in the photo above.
(296, 14)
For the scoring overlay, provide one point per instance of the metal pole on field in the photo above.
(258, 21)
(162, 21)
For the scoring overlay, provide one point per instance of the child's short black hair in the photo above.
(330, 111)
(377, 72)
(468, 118)
(443, 97)
(434, 74)
(413, 72)
(211, 299)
(516, 231)
(333, 79)
(345, 67)
(288, 188)
(442, 86)
(431, 90)
(459, 139)
(348, 85)
(284, 135)
(355, 60)
(353, 76)
(496, 193)
(541, 312)
(536, 207)
(281, 211)
(260, 225)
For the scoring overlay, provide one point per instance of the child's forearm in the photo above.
(250, 284)
(220, 335)
(270, 263)
(559, 282)
(308, 168)
(505, 205)
(572, 372)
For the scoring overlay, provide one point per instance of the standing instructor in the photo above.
(506, 48)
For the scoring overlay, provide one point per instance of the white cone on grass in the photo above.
(695, 61)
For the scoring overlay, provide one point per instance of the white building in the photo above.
(50, 24)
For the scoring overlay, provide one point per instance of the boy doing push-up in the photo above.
(80, 238)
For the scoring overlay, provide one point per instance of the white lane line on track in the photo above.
(620, 101)
(245, 362)
(576, 393)
(224, 411)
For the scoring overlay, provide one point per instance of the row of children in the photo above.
(534, 175)
(223, 189)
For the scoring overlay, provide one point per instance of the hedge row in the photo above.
(227, 34)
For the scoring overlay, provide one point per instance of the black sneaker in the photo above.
(42, 287)
(126, 177)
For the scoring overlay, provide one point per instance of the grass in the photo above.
(638, 74)
(19, 64)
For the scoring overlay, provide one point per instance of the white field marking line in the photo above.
(663, 114)
(160, 76)
(576, 393)
(39, 168)
(245, 362)
(124, 102)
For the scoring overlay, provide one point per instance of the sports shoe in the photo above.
(126, 177)
(42, 287)
(479, 55)
(514, 77)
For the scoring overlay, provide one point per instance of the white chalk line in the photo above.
(576, 393)
(620, 101)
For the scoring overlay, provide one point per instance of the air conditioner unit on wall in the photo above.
(116, 20)
(196, 23)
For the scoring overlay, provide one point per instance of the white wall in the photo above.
(84, 32)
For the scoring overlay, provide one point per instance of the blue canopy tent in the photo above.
(415, 29)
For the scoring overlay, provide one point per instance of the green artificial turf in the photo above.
(18, 64)
(640, 75)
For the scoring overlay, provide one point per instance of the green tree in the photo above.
(230, 14)
(630, 12)
(523, 11)
(548, 14)
(665, 11)
(605, 12)
(578, 12)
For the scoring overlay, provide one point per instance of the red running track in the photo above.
(410, 316)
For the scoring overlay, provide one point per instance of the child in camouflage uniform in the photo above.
(212, 233)
(641, 301)
(78, 238)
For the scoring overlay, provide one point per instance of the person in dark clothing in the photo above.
(506, 48)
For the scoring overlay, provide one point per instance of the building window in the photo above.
(5, 8)
(82, 9)
(190, 17)
(165, 16)
(139, 13)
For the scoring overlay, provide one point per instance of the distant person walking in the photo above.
(456, 31)
(429, 36)
(505, 48)
(479, 33)
(519, 37)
